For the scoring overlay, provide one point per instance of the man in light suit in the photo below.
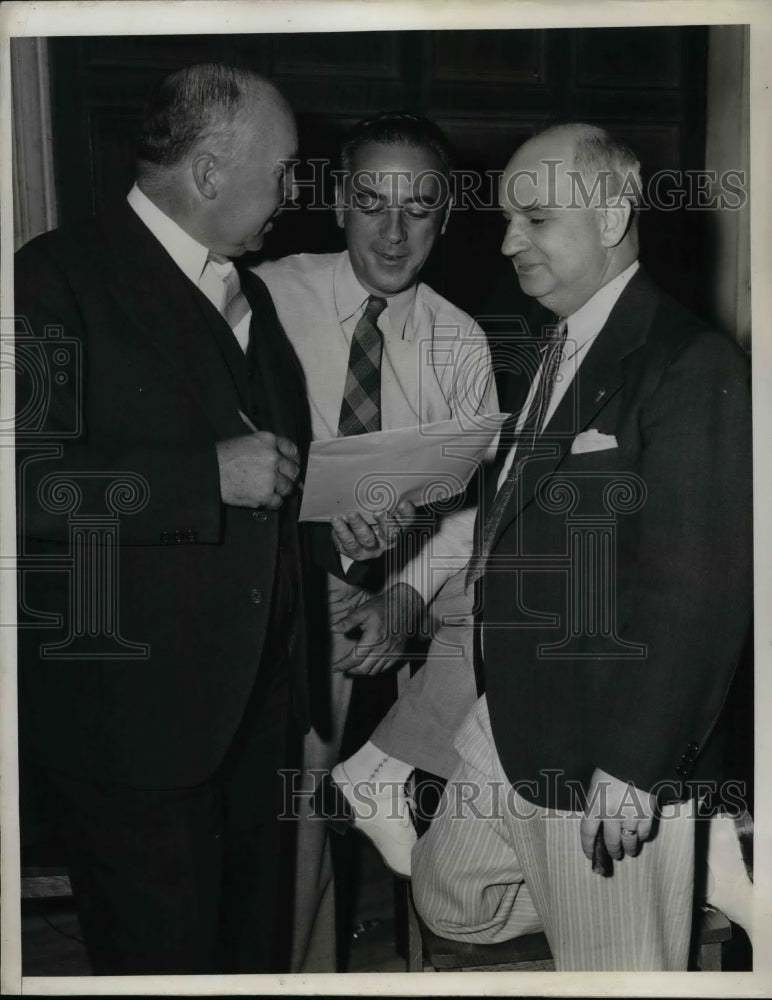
(613, 590)
(433, 365)
(161, 664)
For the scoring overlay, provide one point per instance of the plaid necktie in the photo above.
(526, 441)
(360, 411)
(220, 283)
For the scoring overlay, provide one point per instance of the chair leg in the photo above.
(710, 957)
(713, 929)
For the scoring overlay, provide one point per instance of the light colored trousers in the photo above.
(419, 729)
(421, 726)
(493, 866)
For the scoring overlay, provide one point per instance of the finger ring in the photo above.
(628, 833)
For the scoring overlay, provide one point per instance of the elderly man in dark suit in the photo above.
(613, 582)
(161, 660)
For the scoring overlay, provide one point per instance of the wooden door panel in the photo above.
(489, 90)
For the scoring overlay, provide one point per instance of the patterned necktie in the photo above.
(360, 411)
(220, 283)
(526, 441)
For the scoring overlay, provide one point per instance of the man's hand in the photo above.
(626, 812)
(387, 621)
(353, 537)
(257, 470)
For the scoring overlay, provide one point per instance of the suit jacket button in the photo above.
(259, 515)
(256, 596)
(165, 538)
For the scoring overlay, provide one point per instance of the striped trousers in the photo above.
(493, 866)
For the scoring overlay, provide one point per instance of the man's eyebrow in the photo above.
(362, 187)
(426, 202)
(532, 206)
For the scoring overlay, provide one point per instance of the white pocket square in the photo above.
(592, 440)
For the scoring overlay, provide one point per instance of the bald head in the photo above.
(600, 161)
(568, 195)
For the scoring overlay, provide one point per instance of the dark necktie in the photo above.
(360, 411)
(526, 441)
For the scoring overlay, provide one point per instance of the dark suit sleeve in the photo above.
(689, 599)
(75, 423)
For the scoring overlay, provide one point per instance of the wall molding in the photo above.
(727, 147)
(34, 188)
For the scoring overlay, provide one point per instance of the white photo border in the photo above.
(257, 16)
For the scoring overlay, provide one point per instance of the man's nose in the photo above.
(393, 226)
(515, 239)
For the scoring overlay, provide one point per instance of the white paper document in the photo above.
(373, 472)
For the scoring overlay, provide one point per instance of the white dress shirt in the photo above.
(435, 366)
(582, 327)
(188, 254)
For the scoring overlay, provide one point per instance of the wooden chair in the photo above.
(532, 951)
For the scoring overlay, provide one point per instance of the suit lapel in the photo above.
(521, 356)
(179, 323)
(600, 377)
(229, 348)
(275, 368)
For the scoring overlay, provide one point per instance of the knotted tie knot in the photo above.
(232, 304)
(374, 308)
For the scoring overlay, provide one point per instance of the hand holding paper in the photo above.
(354, 538)
(371, 473)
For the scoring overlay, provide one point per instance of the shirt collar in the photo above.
(587, 322)
(188, 254)
(350, 298)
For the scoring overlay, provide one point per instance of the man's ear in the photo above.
(340, 206)
(448, 207)
(204, 169)
(615, 222)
